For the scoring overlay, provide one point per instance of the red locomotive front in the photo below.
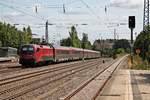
(34, 54)
(27, 55)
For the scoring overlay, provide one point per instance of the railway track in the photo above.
(10, 69)
(56, 74)
(8, 65)
(109, 70)
(25, 75)
(75, 81)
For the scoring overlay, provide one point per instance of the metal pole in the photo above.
(46, 32)
(131, 52)
(100, 44)
(83, 56)
(114, 34)
(146, 16)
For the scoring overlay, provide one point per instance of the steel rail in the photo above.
(34, 73)
(81, 68)
(69, 96)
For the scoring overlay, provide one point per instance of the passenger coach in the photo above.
(33, 54)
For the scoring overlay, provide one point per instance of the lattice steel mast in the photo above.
(146, 16)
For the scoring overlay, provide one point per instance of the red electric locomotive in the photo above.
(33, 54)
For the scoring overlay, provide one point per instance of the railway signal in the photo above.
(131, 26)
(131, 22)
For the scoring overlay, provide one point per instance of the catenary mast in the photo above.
(146, 16)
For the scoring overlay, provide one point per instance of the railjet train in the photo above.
(33, 54)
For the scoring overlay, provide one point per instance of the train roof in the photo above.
(67, 48)
(73, 48)
(62, 47)
(37, 46)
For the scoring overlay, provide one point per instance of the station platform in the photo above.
(127, 85)
(7, 59)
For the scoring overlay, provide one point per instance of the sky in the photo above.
(97, 18)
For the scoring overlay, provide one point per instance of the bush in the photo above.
(139, 64)
(120, 50)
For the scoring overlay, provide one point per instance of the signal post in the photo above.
(131, 26)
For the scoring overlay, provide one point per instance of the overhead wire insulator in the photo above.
(36, 9)
(64, 9)
(105, 9)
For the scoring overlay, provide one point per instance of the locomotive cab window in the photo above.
(27, 49)
(24, 49)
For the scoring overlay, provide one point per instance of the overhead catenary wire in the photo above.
(23, 12)
(90, 9)
(38, 17)
(66, 3)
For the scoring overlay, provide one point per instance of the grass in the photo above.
(138, 63)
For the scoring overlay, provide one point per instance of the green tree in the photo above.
(75, 41)
(36, 41)
(123, 43)
(120, 50)
(85, 42)
(143, 43)
(66, 42)
(72, 40)
(10, 36)
(27, 35)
